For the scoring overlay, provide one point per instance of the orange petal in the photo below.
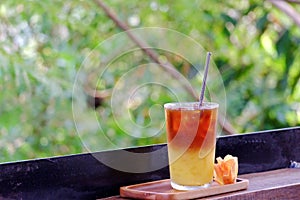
(226, 170)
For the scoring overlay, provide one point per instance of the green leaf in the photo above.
(262, 23)
(227, 18)
(283, 43)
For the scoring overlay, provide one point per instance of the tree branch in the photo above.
(291, 1)
(288, 10)
(167, 66)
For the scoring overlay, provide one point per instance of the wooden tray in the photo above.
(162, 190)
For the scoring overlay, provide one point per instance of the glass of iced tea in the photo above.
(191, 134)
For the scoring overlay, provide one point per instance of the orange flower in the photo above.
(226, 170)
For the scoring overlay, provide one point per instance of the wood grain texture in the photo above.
(162, 190)
(277, 184)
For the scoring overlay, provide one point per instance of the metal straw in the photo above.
(204, 78)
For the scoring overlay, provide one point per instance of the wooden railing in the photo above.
(264, 159)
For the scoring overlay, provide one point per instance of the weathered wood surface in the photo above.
(276, 184)
(282, 184)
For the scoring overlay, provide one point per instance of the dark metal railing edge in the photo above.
(85, 177)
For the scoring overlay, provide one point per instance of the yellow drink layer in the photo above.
(190, 170)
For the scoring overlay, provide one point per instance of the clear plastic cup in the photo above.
(191, 134)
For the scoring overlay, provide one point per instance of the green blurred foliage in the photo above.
(43, 44)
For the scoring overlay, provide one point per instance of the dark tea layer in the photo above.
(192, 129)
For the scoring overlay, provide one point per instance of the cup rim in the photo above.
(190, 105)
